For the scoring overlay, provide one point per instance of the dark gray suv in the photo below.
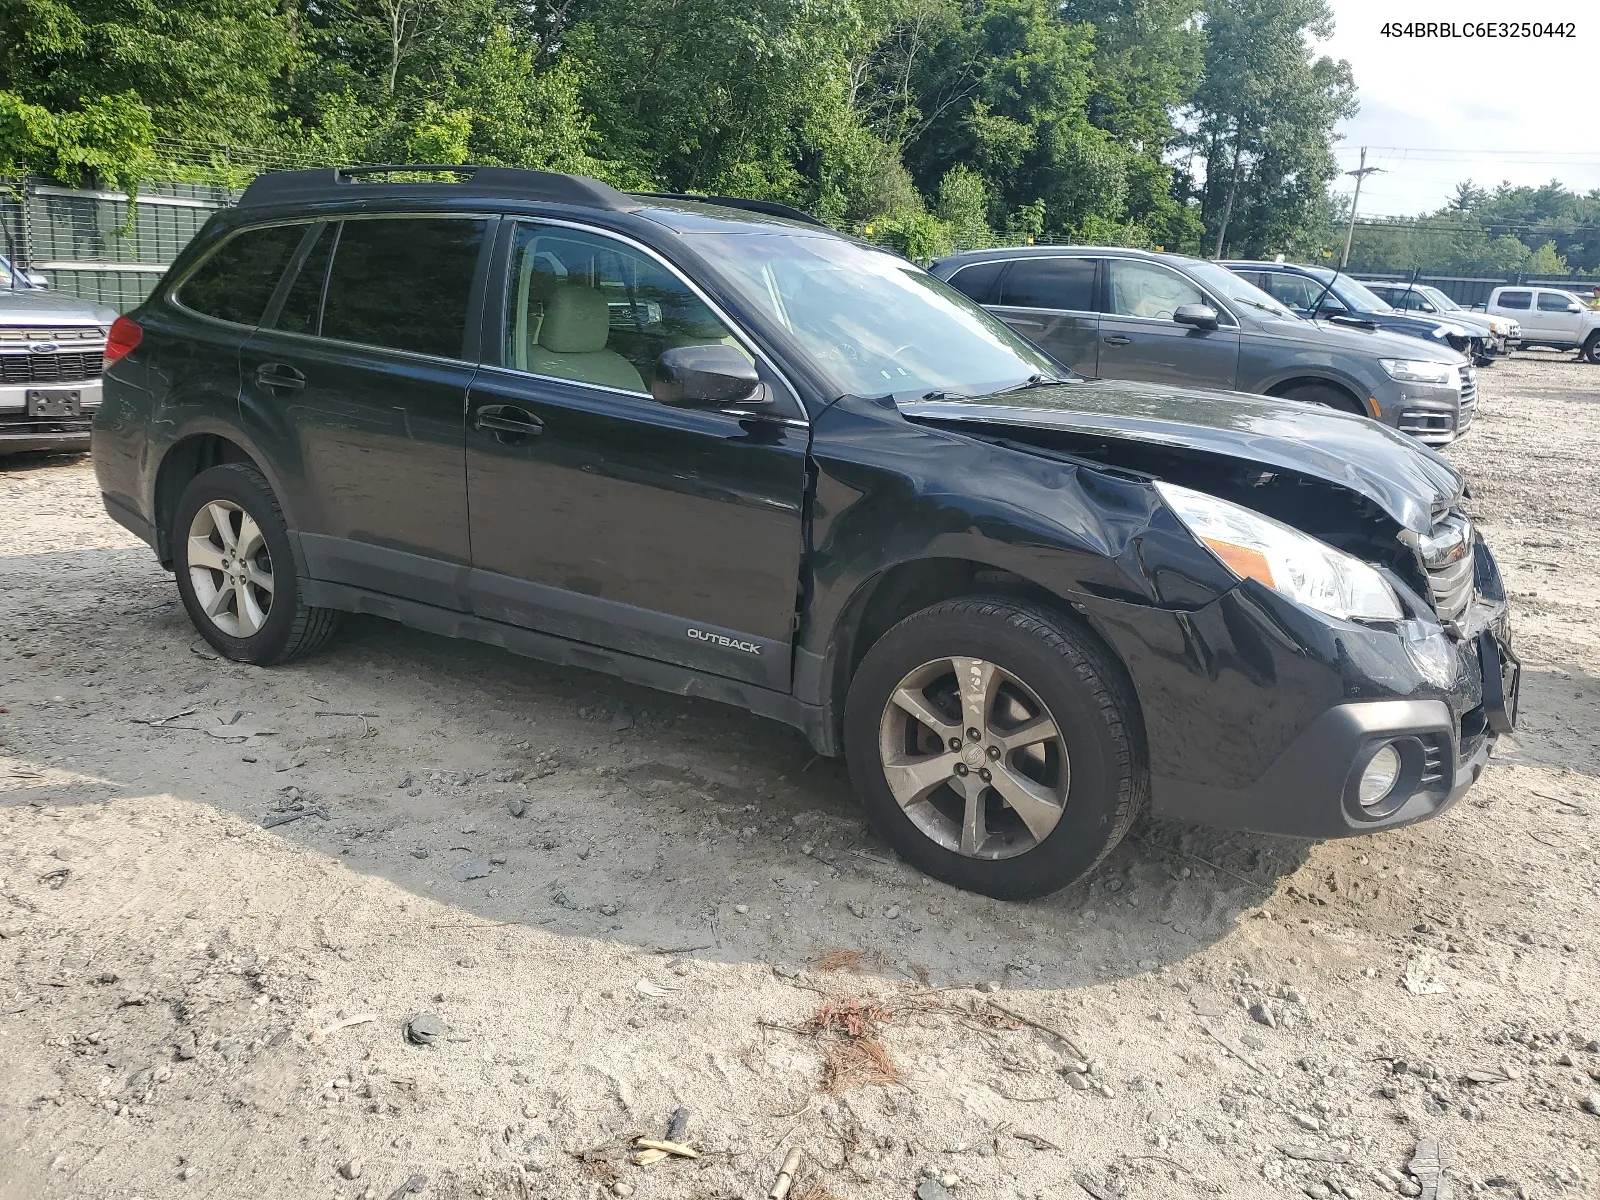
(1165, 318)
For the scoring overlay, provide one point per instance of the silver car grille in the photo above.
(1448, 556)
(37, 354)
(11, 334)
(1469, 397)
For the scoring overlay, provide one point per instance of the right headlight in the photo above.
(1417, 370)
(1289, 562)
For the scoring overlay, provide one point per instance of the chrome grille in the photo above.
(76, 333)
(60, 367)
(1447, 555)
(1469, 397)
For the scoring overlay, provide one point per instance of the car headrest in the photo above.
(576, 320)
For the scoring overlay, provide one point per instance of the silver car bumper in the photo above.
(20, 432)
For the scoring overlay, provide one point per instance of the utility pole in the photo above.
(1360, 173)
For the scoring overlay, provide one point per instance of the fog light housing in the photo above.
(1379, 777)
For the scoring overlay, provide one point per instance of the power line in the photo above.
(1554, 155)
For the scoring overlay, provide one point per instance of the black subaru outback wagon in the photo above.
(710, 446)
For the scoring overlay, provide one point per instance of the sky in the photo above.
(1435, 112)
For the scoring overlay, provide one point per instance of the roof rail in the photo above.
(770, 207)
(330, 183)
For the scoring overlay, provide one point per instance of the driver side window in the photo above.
(1297, 292)
(584, 307)
(1141, 289)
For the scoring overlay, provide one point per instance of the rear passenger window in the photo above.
(236, 281)
(302, 307)
(977, 281)
(403, 283)
(1515, 300)
(1066, 283)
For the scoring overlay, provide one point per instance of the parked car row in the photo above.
(1500, 334)
(717, 449)
(1168, 318)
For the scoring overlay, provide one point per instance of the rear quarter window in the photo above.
(977, 280)
(237, 279)
(1520, 300)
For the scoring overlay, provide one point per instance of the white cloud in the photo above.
(1437, 111)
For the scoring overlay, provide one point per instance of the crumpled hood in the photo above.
(1399, 474)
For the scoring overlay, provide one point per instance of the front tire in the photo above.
(995, 746)
(1591, 349)
(235, 569)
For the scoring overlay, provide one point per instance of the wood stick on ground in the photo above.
(785, 1180)
(1042, 1027)
(667, 1147)
(1235, 1050)
(318, 1036)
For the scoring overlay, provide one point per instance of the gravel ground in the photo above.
(614, 903)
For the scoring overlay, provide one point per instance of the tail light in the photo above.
(123, 340)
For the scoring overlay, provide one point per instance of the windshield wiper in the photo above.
(936, 394)
(1033, 381)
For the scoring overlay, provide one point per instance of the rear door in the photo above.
(357, 383)
(1050, 301)
(1140, 340)
(602, 516)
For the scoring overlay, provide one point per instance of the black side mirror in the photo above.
(1201, 316)
(707, 376)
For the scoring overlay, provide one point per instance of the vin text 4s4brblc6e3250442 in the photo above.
(710, 446)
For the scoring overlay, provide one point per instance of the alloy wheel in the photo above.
(974, 758)
(230, 568)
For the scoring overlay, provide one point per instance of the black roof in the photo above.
(472, 180)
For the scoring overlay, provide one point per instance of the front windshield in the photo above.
(8, 279)
(1231, 287)
(1357, 297)
(1440, 300)
(874, 322)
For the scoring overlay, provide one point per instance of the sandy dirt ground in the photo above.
(211, 945)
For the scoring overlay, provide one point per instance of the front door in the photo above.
(1558, 317)
(358, 380)
(1140, 340)
(1050, 301)
(602, 516)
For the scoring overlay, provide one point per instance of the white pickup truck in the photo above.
(1550, 317)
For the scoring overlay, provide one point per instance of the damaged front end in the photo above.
(1264, 713)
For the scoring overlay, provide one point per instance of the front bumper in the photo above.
(1260, 714)
(20, 433)
(1431, 413)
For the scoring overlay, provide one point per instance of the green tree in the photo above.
(1263, 115)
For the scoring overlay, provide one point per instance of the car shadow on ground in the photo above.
(673, 825)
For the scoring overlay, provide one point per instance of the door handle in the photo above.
(507, 421)
(1118, 339)
(279, 375)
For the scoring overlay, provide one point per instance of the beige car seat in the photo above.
(570, 342)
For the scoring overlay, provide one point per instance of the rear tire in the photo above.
(236, 571)
(1326, 396)
(1054, 778)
